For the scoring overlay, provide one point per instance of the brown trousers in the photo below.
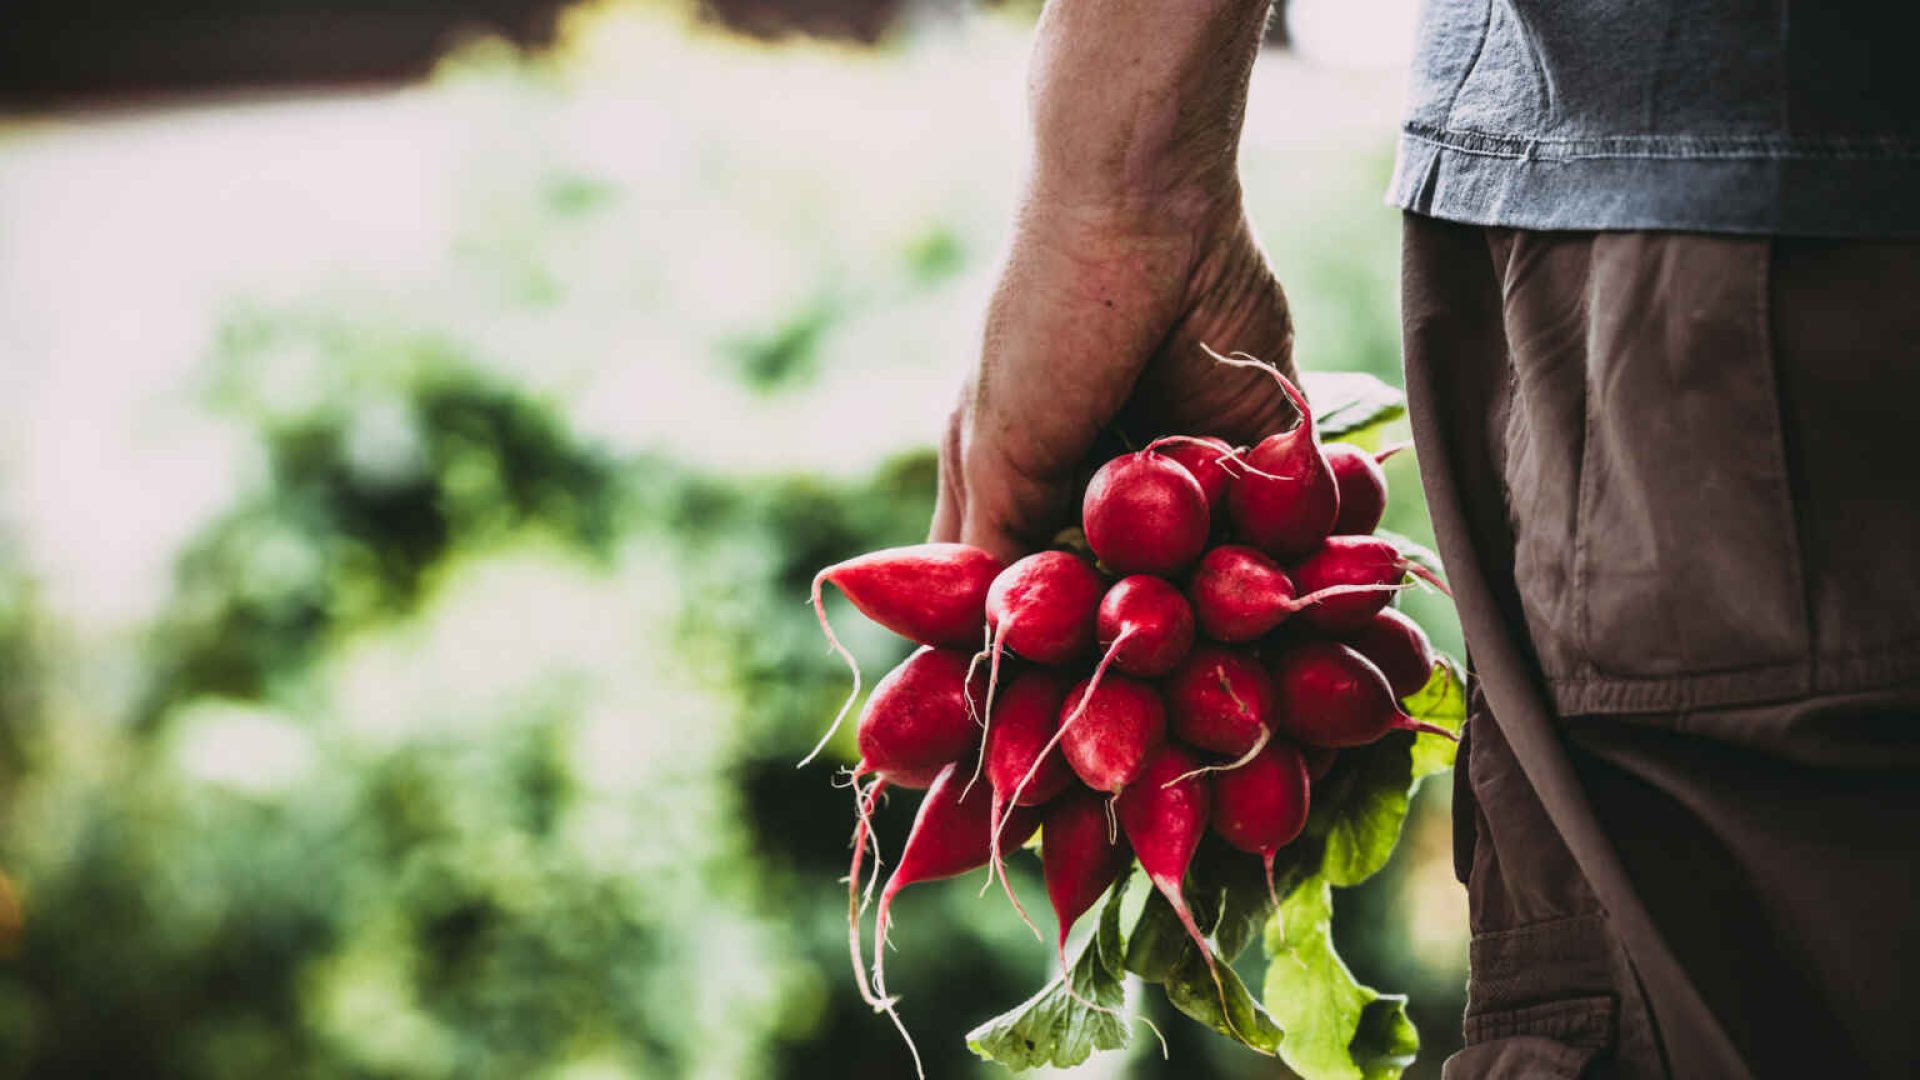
(1677, 489)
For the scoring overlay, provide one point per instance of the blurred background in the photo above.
(419, 423)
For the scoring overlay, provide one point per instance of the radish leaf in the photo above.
(1364, 804)
(1346, 403)
(1442, 701)
(1051, 1028)
(1336, 1028)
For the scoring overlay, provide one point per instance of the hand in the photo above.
(1099, 320)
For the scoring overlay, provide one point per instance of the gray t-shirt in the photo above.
(1739, 116)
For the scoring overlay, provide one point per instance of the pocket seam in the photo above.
(1582, 1023)
(1592, 685)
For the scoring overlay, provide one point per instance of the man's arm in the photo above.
(1131, 249)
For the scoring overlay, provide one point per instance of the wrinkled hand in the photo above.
(1099, 320)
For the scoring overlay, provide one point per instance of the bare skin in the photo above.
(1130, 252)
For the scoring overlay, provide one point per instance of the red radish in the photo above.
(1319, 759)
(1205, 458)
(1221, 699)
(1261, 806)
(1164, 815)
(933, 594)
(1042, 608)
(949, 837)
(1332, 696)
(1024, 721)
(1239, 594)
(1399, 648)
(1363, 489)
(920, 718)
(1080, 857)
(1354, 560)
(1286, 501)
(1107, 742)
(1145, 625)
(1145, 514)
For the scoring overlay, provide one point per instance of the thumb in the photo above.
(1010, 512)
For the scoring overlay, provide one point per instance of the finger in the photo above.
(950, 501)
(1008, 512)
(981, 528)
(947, 510)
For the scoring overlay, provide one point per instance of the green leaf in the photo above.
(1364, 805)
(1442, 701)
(1227, 892)
(1348, 403)
(1052, 1028)
(1157, 943)
(1336, 1030)
(1227, 889)
(1386, 1042)
(1227, 1006)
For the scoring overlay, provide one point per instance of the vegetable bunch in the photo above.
(1208, 681)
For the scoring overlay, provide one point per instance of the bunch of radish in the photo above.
(1230, 634)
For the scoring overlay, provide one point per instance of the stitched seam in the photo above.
(1584, 494)
(1479, 47)
(1565, 922)
(1889, 652)
(1664, 147)
(1799, 528)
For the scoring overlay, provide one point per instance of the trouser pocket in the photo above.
(1644, 456)
(1550, 991)
(1557, 1040)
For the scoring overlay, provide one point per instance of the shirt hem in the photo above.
(1828, 188)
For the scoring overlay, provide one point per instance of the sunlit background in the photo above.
(409, 482)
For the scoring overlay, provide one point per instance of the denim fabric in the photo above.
(1738, 116)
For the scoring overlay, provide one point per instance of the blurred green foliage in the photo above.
(463, 744)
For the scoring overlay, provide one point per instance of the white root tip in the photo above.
(1245, 360)
(1259, 744)
(985, 716)
(996, 863)
(1151, 1026)
(833, 642)
(856, 900)
(1079, 710)
(888, 1001)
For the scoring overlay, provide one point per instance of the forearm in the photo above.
(1139, 102)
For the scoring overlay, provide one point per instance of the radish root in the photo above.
(1229, 454)
(888, 1002)
(857, 901)
(999, 647)
(1273, 895)
(996, 819)
(833, 642)
(1408, 723)
(1259, 744)
(1439, 584)
(1331, 591)
(996, 863)
(1093, 684)
(1381, 456)
(1245, 360)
